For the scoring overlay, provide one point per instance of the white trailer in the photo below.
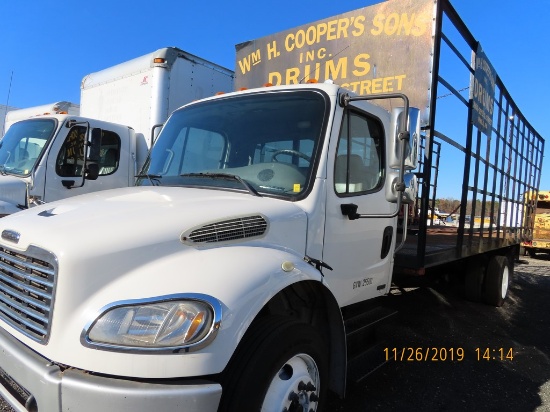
(4, 110)
(62, 107)
(43, 156)
(142, 92)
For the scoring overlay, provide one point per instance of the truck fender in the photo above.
(13, 192)
(7, 208)
(297, 290)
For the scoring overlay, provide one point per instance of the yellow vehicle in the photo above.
(540, 216)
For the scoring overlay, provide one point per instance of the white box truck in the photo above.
(43, 155)
(62, 107)
(249, 267)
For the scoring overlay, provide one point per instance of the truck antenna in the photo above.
(7, 103)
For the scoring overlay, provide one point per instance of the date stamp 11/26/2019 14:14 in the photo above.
(442, 354)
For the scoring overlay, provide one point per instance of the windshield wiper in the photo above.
(151, 178)
(239, 179)
(5, 170)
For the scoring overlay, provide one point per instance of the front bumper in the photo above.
(27, 377)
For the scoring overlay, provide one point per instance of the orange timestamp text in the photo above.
(443, 354)
(429, 354)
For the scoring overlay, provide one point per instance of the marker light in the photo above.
(287, 266)
(159, 60)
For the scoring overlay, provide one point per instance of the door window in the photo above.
(71, 156)
(358, 164)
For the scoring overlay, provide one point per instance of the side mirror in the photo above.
(155, 135)
(412, 143)
(411, 187)
(92, 171)
(94, 155)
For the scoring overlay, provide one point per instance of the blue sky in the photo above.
(50, 47)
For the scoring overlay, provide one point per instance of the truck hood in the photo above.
(13, 192)
(141, 243)
(138, 217)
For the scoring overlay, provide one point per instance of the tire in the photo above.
(532, 253)
(281, 363)
(474, 279)
(497, 280)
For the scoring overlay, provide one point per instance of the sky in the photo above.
(47, 48)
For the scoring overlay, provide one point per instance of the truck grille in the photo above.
(227, 230)
(27, 285)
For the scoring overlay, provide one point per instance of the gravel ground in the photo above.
(436, 317)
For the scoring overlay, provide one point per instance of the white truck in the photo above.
(248, 268)
(42, 153)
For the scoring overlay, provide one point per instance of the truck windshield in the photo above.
(23, 144)
(266, 141)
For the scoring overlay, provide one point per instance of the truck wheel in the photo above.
(473, 287)
(281, 365)
(497, 280)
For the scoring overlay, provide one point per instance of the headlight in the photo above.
(185, 322)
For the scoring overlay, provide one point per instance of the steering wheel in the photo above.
(290, 152)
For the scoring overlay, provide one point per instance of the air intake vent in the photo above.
(27, 289)
(228, 230)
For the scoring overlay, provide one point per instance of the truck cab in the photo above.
(42, 159)
(221, 280)
(298, 148)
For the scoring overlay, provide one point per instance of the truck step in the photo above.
(361, 328)
(365, 345)
(362, 365)
(359, 321)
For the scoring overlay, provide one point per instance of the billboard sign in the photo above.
(482, 91)
(384, 48)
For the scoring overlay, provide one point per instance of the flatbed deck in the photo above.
(445, 244)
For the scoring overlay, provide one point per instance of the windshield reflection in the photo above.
(22, 145)
(265, 140)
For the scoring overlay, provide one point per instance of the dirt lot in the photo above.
(435, 317)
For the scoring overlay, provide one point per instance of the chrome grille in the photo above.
(227, 230)
(27, 285)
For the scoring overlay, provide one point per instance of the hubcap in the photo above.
(505, 279)
(295, 387)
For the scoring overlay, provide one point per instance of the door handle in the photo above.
(386, 241)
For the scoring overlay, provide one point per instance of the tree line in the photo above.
(450, 205)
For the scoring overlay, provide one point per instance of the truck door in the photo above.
(66, 159)
(359, 251)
